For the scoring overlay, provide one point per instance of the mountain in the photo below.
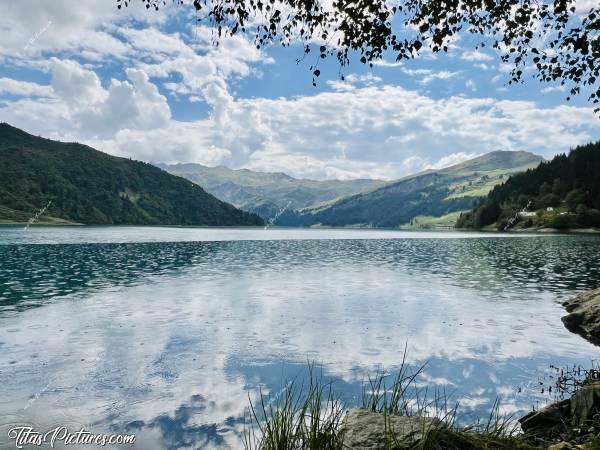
(561, 193)
(266, 193)
(430, 193)
(88, 186)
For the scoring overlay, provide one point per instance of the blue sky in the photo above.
(152, 86)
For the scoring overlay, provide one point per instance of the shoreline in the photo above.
(534, 230)
(542, 231)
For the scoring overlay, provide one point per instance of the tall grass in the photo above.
(308, 415)
(305, 416)
(404, 397)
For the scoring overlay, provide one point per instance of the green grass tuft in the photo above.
(309, 416)
(304, 416)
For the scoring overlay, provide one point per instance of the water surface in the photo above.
(164, 331)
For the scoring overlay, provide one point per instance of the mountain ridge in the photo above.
(562, 193)
(422, 193)
(86, 185)
(265, 193)
(430, 193)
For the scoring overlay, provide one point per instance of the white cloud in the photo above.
(559, 88)
(154, 111)
(24, 88)
(373, 131)
(151, 42)
(441, 75)
(82, 108)
(75, 84)
(199, 75)
(427, 76)
(482, 66)
(385, 63)
(133, 104)
(476, 56)
(77, 26)
(343, 132)
(353, 81)
(470, 84)
(176, 142)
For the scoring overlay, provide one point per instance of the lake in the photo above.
(164, 332)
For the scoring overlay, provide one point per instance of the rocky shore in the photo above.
(573, 423)
(584, 315)
(566, 425)
(400, 416)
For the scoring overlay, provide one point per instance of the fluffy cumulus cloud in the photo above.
(114, 80)
(75, 84)
(8, 86)
(133, 104)
(30, 28)
(374, 131)
(79, 106)
(390, 131)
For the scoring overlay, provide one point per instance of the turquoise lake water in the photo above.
(165, 331)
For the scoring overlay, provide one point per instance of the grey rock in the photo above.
(585, 404)
(367, 430)
(584, 315)
(549, 420)
(567, 417)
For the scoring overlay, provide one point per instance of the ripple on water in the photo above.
(156, 335)
(46, 271)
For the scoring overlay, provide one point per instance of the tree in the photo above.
(563, 222)
(559, 187)
(551, 200)
(545, 189)
(574, 199)
(523, 200)
(581, 210)
(487, 213)
(549, 36)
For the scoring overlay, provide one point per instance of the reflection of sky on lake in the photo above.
(167, 339)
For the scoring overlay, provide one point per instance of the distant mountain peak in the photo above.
(432, 193)
(565, 190)
(266, 193)
(497, 159)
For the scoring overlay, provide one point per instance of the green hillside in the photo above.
(430, 194)
(91, 187)
(265, 193)
(562, 193)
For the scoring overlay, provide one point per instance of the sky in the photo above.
(152, 86)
